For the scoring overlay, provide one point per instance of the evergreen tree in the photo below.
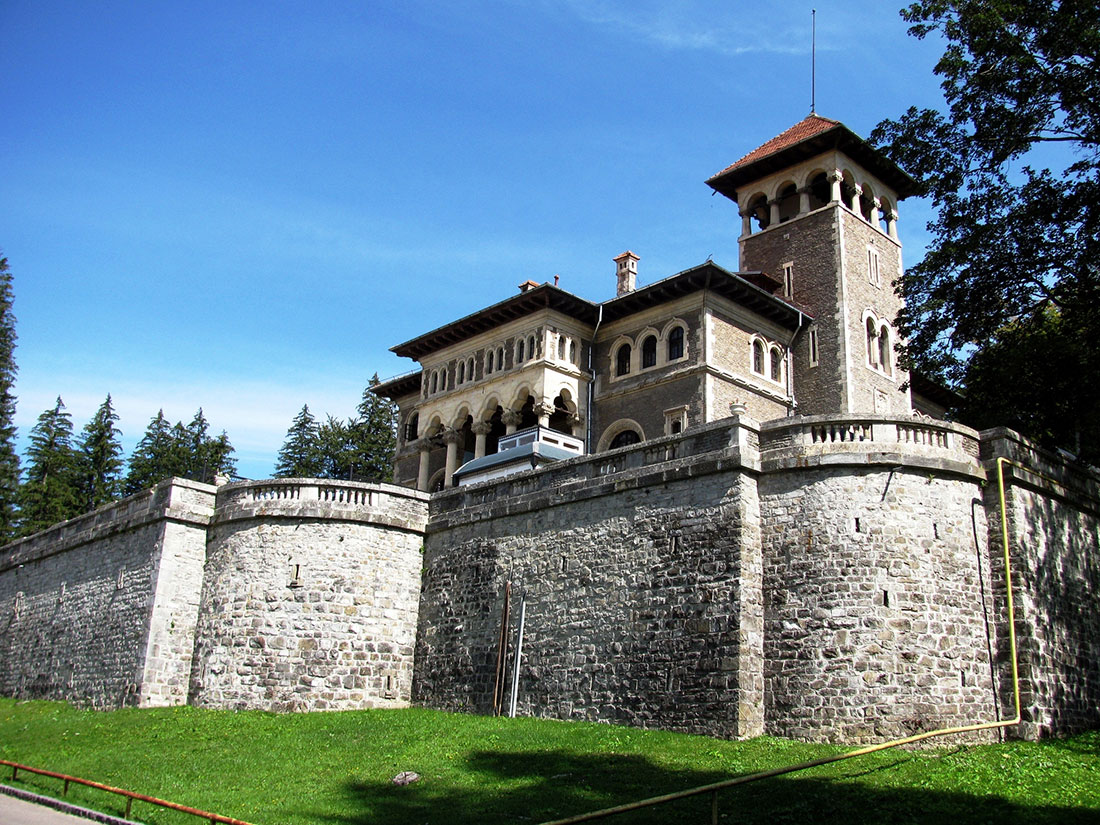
(50, 491)
(177, 450)
(337, 454)
(9, 458)
(153, 458)
(300, 455)
(374, 435)
(99, 461)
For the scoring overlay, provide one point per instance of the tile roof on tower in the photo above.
(805, 129)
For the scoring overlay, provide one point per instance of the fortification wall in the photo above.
(640, 569)
(1052, 507)
(101, 609)
(310, 594)
(879, 606)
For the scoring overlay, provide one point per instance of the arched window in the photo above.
(561, 347)
(519, 351)
(872, 343)
(760, 212)
(776, 363)
(649, 352)
(470, 369)
(500, 358)
(820, 190)
(624, 439)
(884, 349)
(462, 372)
(412, 427)
(676, 344)
(531, 352)
(435, 382)
(489, 363)
(622, 360)
(758, 357)
(788, 202)
(572, 352)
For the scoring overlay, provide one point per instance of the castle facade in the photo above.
(713, 503)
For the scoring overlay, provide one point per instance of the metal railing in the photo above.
(214, 819)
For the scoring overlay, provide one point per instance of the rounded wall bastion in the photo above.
(880, 604)
(310, 596)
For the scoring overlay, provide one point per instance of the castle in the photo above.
(714, 503)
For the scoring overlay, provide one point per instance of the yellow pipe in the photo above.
(908, 740)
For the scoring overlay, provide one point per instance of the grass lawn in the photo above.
(294, 769)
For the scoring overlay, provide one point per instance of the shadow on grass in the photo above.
(553, 785)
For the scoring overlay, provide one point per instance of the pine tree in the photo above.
(374, 435)
(50, 492)
(9, 458)
(99, 460)
(300, 455)
(153, 458)
(337, 459)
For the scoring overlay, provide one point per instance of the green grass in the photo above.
(294, 769)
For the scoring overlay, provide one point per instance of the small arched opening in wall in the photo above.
(435, 483)
(867, 203)
(527, 415)
(788, 201)
(561, 419)
(820, 191)
(759, 212)
(412, 426)
(622, 433)
(848, 194)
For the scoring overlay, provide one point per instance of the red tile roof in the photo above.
(803, 130)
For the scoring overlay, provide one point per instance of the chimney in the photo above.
(626, 272)
(527, 286)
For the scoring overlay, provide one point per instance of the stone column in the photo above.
(892, 224)
(746, 222)
(451, 437)
(511, 420)
(544, 410)
(481, 430)
(425, 456)
(773, 205)
(857, 193)
(876, 211)
(803, 200)
(834, 185)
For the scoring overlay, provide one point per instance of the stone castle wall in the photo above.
(640, 569)
(879, 601)
(309, 599)
(830, 578)
(101, 609)
(1052, 514)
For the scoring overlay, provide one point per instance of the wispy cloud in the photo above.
(697, 26)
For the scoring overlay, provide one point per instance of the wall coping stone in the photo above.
(317, 498)
(165, 501)
(715, 447)
(925, 444)
(1047, 471)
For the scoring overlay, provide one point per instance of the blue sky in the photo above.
(242, 206)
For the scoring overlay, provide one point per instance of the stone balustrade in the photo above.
(322, 498)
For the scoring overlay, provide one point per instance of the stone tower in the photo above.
(818, 214)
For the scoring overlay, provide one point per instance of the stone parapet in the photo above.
(805, 441)
(174, 499)
(725, 445)
(334, 500)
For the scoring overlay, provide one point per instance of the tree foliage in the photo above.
(9, 457)
(99, 459)
(167, 450)
(50, 491)
(300, 455)
(359, 449)
(1012, 168)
